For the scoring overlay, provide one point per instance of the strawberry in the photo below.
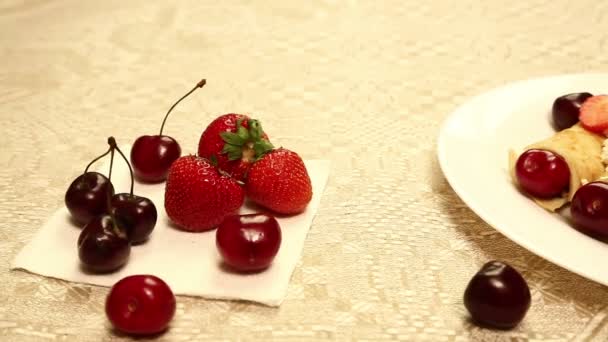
(234, 141)
(197, 196)
(279, 181)
(594, 114)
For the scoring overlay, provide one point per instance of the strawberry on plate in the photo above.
(235, 141)
(594, 114)
(279, 181)
(197, 196)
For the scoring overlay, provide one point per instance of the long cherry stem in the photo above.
(111, 163)
(200, 84)
(113, 145)
(96, 159)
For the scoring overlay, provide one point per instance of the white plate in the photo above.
(473, 149)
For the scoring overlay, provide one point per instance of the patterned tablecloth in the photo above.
(363, 83)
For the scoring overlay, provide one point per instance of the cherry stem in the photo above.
(111, 163)
(113, 145)
(96, 159)
(200, 84)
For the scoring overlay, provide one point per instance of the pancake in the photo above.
(582, 151)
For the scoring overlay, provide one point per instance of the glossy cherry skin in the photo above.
(566, 109)
(542, 173)
(589, 209)
(136, 214)
(87, 196)
(152, 156)
(497, 296)
(103, 246)
(248, 243)
(140, 305)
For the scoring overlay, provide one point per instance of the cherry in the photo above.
(103, 245)
(152, 155)
(87, 196)
(248, 243)
(140, 305)
(497, 296)
(566, 109)
(589, 209)
(542, 173)
(136, 214)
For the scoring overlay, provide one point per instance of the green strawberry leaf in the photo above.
(232, 138)
(255, 130)
(243, 133)
(262, 147)
(233, 152)
(213, 160)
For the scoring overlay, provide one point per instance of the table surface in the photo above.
(365, 84)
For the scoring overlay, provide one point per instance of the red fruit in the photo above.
(197, 196)
(140, 305)
(542, 173)
(235, 141)
(250, 242)
(152, 155)
(279, 181)
(594, 114)
(589, 209)
(497, 296)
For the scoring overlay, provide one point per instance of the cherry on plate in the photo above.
(103, 245)
(589, 209)
(497, 296)
(87, 196)
(542, 173)
(136, 214)
(140, 305)
(566, 109)
(248, 243)
(152, 155)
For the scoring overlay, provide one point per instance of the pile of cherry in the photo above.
(545, 174)
(203, 192)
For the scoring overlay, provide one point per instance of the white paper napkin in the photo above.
(188, 262)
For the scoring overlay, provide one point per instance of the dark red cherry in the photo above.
(136, 214)
(152, 155)
(542, 173)
(250, 242)
(497, 296)
(103, 245)
(589, 209)
(140, 305)
(87, 196)
(566, 109)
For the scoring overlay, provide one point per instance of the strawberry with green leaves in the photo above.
(234, 141)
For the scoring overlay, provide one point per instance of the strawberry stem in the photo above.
(200, 84)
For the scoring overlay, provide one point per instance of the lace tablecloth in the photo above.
(365, 84)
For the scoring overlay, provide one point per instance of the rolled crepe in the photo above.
(582, 151)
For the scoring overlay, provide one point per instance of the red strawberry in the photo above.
(197, 196)
(594, 114)
(279, 181)
(235, 141)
